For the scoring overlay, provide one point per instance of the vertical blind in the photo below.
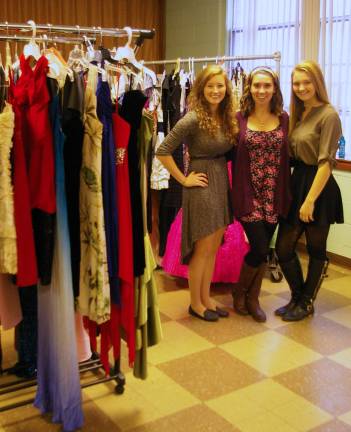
(265, 26)
(335, 58)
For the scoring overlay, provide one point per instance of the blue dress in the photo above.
(59, 389)
(104, 112)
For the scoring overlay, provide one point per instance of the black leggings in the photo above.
(259, 235)
(288, 236)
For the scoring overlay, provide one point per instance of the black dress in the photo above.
(131, 110)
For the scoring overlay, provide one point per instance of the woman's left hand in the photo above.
(306, 211)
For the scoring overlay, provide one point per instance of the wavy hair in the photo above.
(247, 103)
(227, 107)
(315, 74)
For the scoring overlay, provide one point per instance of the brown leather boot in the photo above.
(252, 303)
(247, 275)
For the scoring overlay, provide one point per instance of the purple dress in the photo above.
(104, 112)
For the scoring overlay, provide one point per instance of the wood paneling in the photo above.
(147, 14)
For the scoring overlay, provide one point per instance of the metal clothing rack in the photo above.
(276, 56)
(91, 365)
(77, 29)
(41, 39)
(57, 33)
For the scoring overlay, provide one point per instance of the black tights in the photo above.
(259, 235)
(288, 236)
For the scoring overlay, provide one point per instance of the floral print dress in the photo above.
(264, 152)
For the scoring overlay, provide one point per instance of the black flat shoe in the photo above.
(209, 315)
(222, 313)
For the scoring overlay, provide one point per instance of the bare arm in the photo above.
(193, 179)
(320, 180)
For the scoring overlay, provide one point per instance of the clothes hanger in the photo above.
(126, 54)
(31, 49)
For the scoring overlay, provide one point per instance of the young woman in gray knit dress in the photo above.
(209, 129)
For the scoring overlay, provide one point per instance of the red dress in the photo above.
(121, 129)
(34, 179)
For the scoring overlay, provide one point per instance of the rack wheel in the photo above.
(276, 275)
(119, 389)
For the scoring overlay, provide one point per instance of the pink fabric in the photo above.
(229, 256)
(10, 307)
(83, 341)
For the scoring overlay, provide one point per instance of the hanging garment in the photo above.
(94, 296)
(121, 129)
(159, 175)
(8, 247)
(131, 111)
(27, 273)
(148, 323)
(59, 389)
(104, 113)
(27, 333)
(171, 198)
(32, 98)
(72, 125)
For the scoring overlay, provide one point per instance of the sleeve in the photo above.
(178, 134)
(330, 134)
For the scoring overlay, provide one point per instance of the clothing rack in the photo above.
(42, 39)
(57, 33)
(91, 365)
(276, 56)
(77, 29)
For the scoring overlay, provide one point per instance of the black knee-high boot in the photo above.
(317, 271)
(293, 274)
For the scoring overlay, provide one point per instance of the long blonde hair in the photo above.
(227, 108)
(314, 72)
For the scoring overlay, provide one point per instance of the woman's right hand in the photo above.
(196, 179)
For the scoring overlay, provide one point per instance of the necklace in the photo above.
(262, 122)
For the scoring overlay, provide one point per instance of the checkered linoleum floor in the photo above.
(233, 375)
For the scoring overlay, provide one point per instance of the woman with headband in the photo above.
(261, 176)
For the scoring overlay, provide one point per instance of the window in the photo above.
(265, 26)
(336, 32)
(260, 27)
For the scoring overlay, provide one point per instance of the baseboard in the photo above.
(333, 257)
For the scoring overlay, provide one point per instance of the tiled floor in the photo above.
(233, 375)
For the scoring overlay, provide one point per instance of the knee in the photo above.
(257, 257)
(283, 252)
(317, 253)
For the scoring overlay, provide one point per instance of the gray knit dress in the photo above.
(205, 210)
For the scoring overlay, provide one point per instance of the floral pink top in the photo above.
(264, 152)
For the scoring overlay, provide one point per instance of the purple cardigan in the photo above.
(242, 191)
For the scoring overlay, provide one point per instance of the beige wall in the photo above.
(339, 240)
(195, 28)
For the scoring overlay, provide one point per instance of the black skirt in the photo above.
(328, 207)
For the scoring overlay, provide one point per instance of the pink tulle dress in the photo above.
(229, 256)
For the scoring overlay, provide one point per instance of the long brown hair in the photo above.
(315, 74)
(247, 103)
(227, 107)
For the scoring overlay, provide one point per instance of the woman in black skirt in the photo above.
(314, 131)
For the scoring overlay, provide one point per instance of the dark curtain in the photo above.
(144, 14)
